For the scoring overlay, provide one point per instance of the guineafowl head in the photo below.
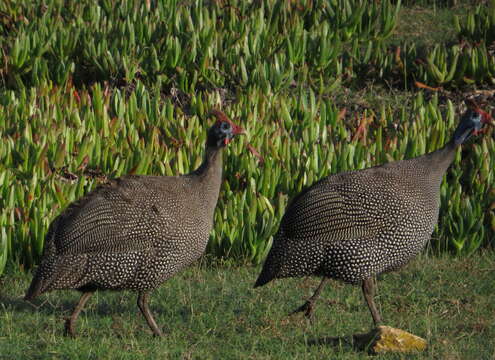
(472, 122)
(223, 130)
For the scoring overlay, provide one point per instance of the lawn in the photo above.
(212, 312)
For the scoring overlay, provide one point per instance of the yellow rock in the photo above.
(388, 339)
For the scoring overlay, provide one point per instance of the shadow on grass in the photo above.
(343, 342)
(17, 304)
(350, 343)
(112, 306)
(45, 306)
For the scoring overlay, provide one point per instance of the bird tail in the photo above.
(40, 279)
(269, 271)
(35, 289)
(262, 279)
(273, 264)
(60, 273)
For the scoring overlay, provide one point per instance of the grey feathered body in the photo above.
(132, 233)
(353, 225)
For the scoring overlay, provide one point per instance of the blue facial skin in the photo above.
(226, 130)
(470, 122)
(219, 133)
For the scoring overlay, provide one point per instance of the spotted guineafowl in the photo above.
(354, 225)
(134, 232)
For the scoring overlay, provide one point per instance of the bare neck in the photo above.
(439, 161)
(209, 172)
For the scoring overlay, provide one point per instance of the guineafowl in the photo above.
(134, 232)
(354, 225)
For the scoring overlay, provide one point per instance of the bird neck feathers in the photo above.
(211, 168)
(440, 160)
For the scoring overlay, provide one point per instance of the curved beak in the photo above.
(237, 130)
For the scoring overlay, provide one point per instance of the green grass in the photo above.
(427, 26)
(212, 312)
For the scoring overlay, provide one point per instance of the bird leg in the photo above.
(70, 322)
(142, 303)
(307, 307)
(368, 287)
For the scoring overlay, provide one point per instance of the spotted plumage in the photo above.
(354, 225)
(134, 232)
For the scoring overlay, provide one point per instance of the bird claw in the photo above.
(307, 309)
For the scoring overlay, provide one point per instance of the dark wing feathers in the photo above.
(107, 220)
(335, 211)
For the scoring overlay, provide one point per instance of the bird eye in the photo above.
(225, 126)
(475, 116)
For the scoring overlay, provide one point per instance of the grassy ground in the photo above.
(428, 25)
(211, 312)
